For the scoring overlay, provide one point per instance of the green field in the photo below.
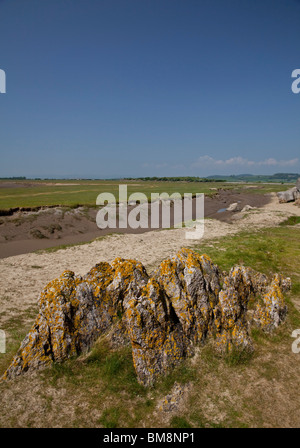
(71, 193)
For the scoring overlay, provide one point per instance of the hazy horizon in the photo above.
(78, 177)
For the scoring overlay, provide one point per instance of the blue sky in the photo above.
(115, 88)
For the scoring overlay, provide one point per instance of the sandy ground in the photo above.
(24, 276)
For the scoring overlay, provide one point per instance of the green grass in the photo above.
(84, 192)
(291, 221)
(105, 377)
(116, 367)
(236, 357)
(270, 250)
(16, 325)
(110, 417)
(262, 188)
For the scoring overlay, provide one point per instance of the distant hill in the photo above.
(174, 179)
(13, 178)
(278, 177)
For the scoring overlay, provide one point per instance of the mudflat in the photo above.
(26, 231)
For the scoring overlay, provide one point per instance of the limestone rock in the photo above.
(163, 316)
(74, 311)
(247, 207)
(290, 195)
(191, 284)
(176, 309)
(233, 207)
(157, 339)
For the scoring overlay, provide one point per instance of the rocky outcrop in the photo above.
(186, 301)
(290, 195)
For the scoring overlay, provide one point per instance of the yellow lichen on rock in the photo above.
(162, 316)
(274, 310)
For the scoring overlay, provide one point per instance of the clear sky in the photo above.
(115, 88)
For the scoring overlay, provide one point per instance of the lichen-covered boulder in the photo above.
(157, 338)
(231, 322)
(241, 286)
(53, 336)
(163, 316)
(273, 311)
(74, 311)
(191, 283)
(174, 312)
